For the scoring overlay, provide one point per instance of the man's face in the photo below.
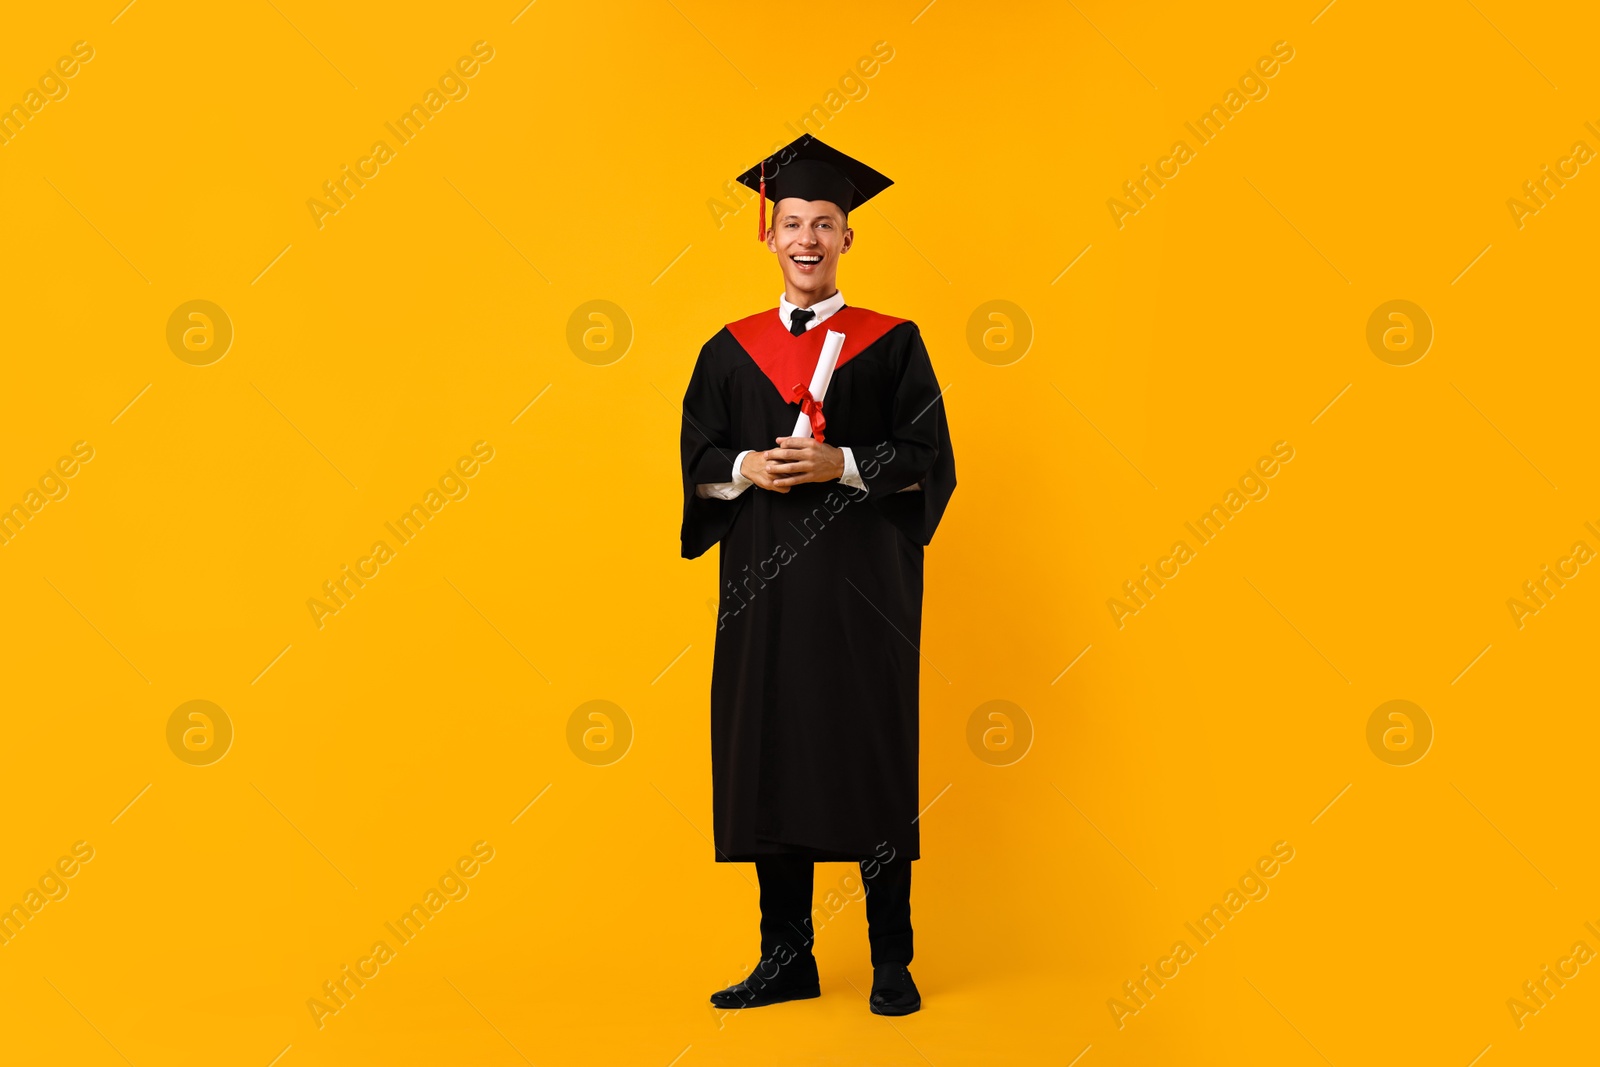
(808, 237)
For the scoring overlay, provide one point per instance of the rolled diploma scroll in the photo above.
(820, 378)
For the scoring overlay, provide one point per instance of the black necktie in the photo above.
(798, 319)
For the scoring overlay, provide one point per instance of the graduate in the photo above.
(814, 686)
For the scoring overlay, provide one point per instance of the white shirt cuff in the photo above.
(851, 475)
(727, 490)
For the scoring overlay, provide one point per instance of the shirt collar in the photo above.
(823, 308)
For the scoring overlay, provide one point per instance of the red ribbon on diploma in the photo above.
(812, 408)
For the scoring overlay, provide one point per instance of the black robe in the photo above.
(814, 687)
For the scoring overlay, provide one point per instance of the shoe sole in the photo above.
(896, 1011)
(808, 995)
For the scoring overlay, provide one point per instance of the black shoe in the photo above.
(893, 991)
(774, 980)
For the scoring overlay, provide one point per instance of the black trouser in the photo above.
(786, 887)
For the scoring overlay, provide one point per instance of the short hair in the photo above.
(844, 213)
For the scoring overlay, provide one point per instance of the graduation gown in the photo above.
(814, 685)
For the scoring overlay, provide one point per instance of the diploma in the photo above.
(820, 378)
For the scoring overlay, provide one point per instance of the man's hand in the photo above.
(755, 467)
(802, 459)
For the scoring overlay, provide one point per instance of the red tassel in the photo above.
(761, 223)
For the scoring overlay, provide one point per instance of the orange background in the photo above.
(432, 311)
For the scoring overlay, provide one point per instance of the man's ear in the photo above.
(849, 239)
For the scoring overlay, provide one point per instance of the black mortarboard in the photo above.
(811, 170)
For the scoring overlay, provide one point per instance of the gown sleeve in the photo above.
(919, 450)
(707, 454)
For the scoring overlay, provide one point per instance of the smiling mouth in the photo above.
(806, 262)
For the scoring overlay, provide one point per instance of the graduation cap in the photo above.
(811, 170)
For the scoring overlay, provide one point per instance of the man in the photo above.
(814, 714)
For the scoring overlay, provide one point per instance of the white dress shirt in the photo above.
(851, 475)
